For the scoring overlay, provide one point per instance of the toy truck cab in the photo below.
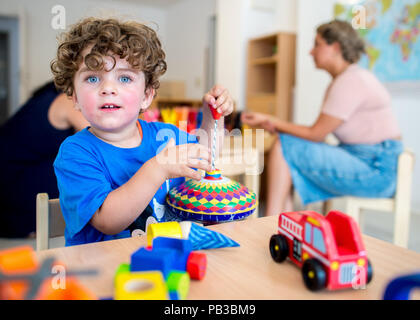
(329, 249)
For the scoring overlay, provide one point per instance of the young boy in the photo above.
(117, 171)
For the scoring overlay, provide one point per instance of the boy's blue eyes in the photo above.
(92, 79)
(95, 79)
(125, 79)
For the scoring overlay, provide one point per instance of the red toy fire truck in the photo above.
(329, 249)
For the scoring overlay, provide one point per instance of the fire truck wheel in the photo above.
(314, 275)
(279, 248)
(369, 272)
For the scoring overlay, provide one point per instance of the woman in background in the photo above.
(357, 110)
(29, 142)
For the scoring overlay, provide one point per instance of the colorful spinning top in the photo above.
(212, 199)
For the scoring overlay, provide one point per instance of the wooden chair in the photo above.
(399, 204)
(49, 221)
(242, 162)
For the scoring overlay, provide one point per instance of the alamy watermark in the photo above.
(58, 281)
(240, 148)
(58, 21)
(359, 17)
(359, 277)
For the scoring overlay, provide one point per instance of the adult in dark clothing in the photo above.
(29, 142)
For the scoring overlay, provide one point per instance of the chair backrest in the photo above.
(234, 162)
(242, 162)
(404, 177)
(49, 220)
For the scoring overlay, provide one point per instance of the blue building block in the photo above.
(181, 248)
(401, 287)
(167, 254)
(173, 295)
(156, 259)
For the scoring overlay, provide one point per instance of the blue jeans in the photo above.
(320, 171)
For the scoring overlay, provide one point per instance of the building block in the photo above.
(161, 259)
(17, 260)
(73, 291)
(401, 287)
(22, 277)
(197, 265)
(170, 229)
(173, 295)
(181, 249)
(200, 237)
(122, 268)
(140, 286)
(179, 282)
(172, 258)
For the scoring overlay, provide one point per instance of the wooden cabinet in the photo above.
(271, 74)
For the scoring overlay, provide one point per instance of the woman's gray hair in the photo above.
(351, 44)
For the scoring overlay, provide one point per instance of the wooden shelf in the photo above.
(271, 74)
(263, 61)
(270, 83)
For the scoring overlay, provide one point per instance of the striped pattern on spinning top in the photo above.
(203, 200)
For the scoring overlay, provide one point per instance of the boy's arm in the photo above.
(123, 205)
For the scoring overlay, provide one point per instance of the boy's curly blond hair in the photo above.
(133, 41)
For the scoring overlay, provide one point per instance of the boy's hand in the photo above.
(178, 161)
(219, 98)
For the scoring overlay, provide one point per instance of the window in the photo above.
(308, 231)
(297, 249)
(319, 240)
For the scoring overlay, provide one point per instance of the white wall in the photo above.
(40, 42)
(229, 69)
(239, 21)
(182, 27)
(311, 84)
(187, 39)
(406, 107)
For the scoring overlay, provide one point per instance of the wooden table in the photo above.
(245, 272)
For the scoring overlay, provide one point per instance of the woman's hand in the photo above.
(179, 160)
(261, 120)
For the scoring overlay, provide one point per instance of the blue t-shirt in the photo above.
(88, 169)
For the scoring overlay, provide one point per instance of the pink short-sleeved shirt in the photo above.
(358, 98)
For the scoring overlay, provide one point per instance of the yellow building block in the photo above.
(140, 286)
(170, 229)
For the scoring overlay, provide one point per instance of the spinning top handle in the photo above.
(216, 115)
